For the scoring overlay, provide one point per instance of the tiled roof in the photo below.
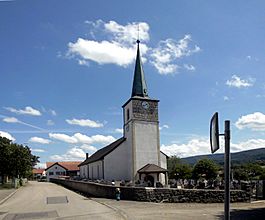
(152, 168)
(38, 171)
(101, 153)
(68, 165)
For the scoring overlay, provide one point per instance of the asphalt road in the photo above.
(30, 202)
(49, 201)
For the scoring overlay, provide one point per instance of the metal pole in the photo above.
(227, 170)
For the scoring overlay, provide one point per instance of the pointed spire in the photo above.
(139, 84)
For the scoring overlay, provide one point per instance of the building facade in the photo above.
(135, 157)
(62, 169)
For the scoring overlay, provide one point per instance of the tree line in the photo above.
(16, 160)
(209, 170)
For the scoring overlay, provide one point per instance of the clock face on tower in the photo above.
(145, 105)
(145, 110)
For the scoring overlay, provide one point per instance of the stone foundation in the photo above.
(170, 195)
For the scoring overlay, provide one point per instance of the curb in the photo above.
(10, 195)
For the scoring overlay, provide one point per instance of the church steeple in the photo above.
(139, 84)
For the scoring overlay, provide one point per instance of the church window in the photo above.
(128, 114)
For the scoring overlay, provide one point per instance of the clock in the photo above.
(145, 105)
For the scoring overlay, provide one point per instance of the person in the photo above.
(118, 194)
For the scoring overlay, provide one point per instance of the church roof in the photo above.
(101, 153)
(139, 84)
(152, 168)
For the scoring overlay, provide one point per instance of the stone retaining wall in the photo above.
(153, 194)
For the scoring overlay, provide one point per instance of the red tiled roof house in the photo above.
(65, 168)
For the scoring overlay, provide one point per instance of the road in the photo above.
(30, 202)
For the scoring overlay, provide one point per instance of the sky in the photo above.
(67, 68)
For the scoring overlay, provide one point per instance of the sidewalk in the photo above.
(5, 194)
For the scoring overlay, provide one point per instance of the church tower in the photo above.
(141, 125)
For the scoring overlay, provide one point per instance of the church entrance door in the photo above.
(150, 180)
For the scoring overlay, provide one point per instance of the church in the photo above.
(135, 157)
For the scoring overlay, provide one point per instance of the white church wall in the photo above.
(162, 178)
(116, 164)
(163, 161)
(146, 144)
(128, 145)
(95, 170)
(82, 171)
(127, 113)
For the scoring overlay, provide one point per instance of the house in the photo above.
(65, 168)
(37, 173)
(135, 157)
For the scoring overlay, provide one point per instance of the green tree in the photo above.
(205, 168)
(15, 160)
(254, 170)
(240, 174)
(177, 169)
(183, 171)
(171, 166)
(5, 152)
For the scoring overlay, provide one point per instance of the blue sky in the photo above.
(67, 68)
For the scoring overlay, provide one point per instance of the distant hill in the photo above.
(256, 155)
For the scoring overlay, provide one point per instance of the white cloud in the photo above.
(83, 139)
(27, 111)
(249, 57)
(89, 148)
(39, 140)
(73, 154)
(192, 148)
(164, 57)
(83, 62)
(50, 122)
(201, 146)
(164, 126)
(119, 50)
(255, 121)
(248, 145)
(37, 150)
(84, 123)
(15, 120)
(7, 135)
(118, 47)
(63, 137)
(11, 120)
(226, 98)
(119, 130)
(128, 33)
(53, 112)
(235, 81)
(104, 52)
(189, 67)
